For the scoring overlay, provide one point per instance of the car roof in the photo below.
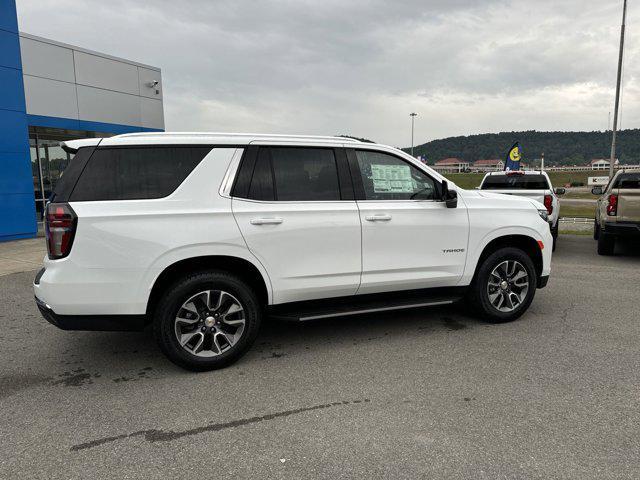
(520, 172)
(207, 138)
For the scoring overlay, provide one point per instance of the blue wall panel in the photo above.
(16, 174)
(14, 132)
(16, 186)
(9, 49)
(73, 124)
(9, 77)
(8, 16)
(16, 222)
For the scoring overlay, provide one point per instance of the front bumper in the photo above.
(99, 323)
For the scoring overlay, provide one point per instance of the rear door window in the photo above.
(295, 174)
(515, 182)
(134, 173)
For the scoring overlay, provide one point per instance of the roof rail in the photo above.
(222, 134)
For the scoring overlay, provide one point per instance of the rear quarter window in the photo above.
(135, 173)
(514, 182)
(628, 181)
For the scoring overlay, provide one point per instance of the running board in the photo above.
(361, 304)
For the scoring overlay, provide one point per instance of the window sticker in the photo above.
(392, 179)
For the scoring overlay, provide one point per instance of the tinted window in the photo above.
(261, 186)
(385, 177)
(304, 174)
(514, 182)
(136, 173)
(69, 177)
(628, 180)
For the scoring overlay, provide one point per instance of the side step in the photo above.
(360, 304)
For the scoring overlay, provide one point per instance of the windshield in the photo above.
(514, 182)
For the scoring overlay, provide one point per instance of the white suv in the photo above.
(201, 235)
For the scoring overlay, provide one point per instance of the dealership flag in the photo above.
(513, 158)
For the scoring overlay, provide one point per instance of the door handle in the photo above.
(265, 221)
(381, 217)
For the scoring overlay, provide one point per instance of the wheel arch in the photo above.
(523, 242)
(241, 267)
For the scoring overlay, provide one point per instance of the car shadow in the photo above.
(91, 355)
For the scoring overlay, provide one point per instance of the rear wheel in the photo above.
(207, 320)
(504, 285)
(554, 234)
(596, 230)
(606, 244)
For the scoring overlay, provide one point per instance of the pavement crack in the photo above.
(156, 435)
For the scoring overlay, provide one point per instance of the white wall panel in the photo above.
(50, 97)
(152, 113)
(66, 81)
(101, 72)
(146, 76)
(46, 60)
(99, 105)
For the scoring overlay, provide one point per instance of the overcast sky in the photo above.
(339, 67)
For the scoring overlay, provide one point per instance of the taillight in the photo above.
(548, 203)
(60, 228)
(612, 207)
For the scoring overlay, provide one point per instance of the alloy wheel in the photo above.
(508, 286)
(209, 323)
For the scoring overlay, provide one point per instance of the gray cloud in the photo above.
(328, 67)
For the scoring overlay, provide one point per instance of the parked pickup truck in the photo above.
(618, 210)
(532, 184)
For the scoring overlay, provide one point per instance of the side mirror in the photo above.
(560, 191)
(449, 197)
(596, 190)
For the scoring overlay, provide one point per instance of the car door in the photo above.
(297, 213)
(410, 239)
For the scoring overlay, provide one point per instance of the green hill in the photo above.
(560, 148)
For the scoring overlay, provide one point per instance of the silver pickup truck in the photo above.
(618, 210)
(531, 184)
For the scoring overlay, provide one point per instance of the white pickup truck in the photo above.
(532, 184)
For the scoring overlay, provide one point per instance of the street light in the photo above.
(612, 159)
(413, 116)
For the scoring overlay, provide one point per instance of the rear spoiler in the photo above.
(72, 146)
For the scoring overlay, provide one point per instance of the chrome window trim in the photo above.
(230, 175)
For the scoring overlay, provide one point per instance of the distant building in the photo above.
(451, 165)
(488, 165)
(601, 163)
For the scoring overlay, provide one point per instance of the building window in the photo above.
(49, 160)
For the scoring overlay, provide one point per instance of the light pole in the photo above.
(615, 109)
(413, 116)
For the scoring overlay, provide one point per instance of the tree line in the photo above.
(560, 148)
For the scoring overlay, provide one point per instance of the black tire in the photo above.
(478, 294)
(173, 299)
(606, 244)
(554, 234)
(596, 230)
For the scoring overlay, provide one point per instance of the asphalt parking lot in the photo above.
(429, 393)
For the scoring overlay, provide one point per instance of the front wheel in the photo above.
(207, 320)
(504, 286)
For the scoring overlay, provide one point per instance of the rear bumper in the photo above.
(622, 229)
(100, 323)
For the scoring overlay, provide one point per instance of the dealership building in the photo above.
(50, 92)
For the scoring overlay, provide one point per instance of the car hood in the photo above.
(508, 200)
